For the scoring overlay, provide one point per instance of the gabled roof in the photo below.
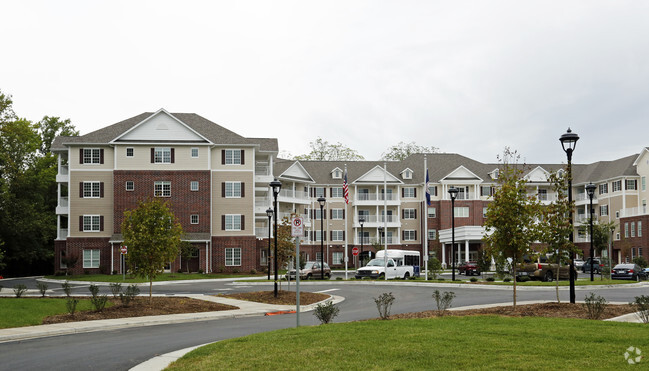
(462, 174)
(296, 172)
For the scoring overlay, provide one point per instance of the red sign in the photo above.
(355, 251)
(123, 249)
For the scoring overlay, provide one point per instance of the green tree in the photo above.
(402, 150)
(152, 233)
(555, 226)
(321, 150)
(186, 251)
(510, 222)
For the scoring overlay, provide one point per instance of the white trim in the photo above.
(161, 110)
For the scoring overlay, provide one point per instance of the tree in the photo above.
(321, 150)
(555, 228)
(152, 233)
(186, 251)
(483, 261)
(510, 222)
(402, 150)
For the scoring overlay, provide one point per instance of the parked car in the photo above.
(597, 266)
(311, 270)
(578, 264)
(469, 268)
(628, 271)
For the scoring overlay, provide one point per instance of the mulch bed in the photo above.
(283, 297)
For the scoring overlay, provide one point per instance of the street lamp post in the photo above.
(453, 193)
(590, 189)
(361, 220)
(270, 213)
(276, 185)
(568, 143)
(321, 201)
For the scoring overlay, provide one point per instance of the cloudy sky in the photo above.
(468, 77)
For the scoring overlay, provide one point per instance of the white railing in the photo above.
(376, 197)
(262, 202)
(581, 218)
(261, 232)
(63, 202)
(262, 169)
(633, 211)
(63, 234)
(584, 197)
(64, 169)
(289, 193)
(376, 219)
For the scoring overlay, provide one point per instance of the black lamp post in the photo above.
(568, 143)
(270, 213)
(276, 185)
(321, 201)
(590, 188)
(361, 220)
(453, 193)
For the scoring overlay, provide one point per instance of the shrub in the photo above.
(253, 271)
(443, 300)
(641, 261)
(86, 272)
(506, 279)
(473, 279)
(490, 279)
(522, 279)
(115, 289)
(114, 272)
(129, 294)
(42, 287)
(66, 288)
(441, 279)
(71, 305)
(235, 270)
(200, 271)
(641, 305)
(19, 290)
(99, 302)
(179, 271)
(326, 312)
(339, 278)
(383, 304)
(595, 305)
(434, 268)
(59, 273)
(94, 290)
(103, 269)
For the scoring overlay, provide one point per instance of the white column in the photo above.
(466, 250)
(444, 254)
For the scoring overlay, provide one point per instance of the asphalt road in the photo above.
(125, 348)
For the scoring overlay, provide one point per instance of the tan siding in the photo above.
(91, 206)
(142, 158)
(222, 206)
(74, 164)
(249, 159)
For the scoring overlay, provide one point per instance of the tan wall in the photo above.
(222, 206)
(249, 159)
(141, 159)
(91, 206)
(74, 164)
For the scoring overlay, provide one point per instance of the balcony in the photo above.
(62, 235)
(368, 241)
(262, 204)
(262, 173)
(582, 199)
(291, 196)
(63, 175)
(63, 207)
(373, 221)
(376, 199)
(261, 232)
(633, 211)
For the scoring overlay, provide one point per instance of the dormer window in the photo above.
(406, 174)
(337, 173)
(494, 174)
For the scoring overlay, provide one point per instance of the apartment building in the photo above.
(218, 185)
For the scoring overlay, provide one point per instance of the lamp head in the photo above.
(569, 141)
(361, 220)
(269, 212)
(321, 201)
(590, 189)
(453, 192)
(276, 185)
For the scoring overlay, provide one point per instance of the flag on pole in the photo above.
(345, 188)
(427, 189)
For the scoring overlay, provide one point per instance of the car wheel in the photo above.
(406, 276)
(381, 276)
(308, 276)
(548, 277)
(328, 275)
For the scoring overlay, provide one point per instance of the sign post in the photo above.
(297, 231)
(123, 251)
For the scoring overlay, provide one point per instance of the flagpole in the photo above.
(346, 225)
(385, 218)
(425, 218)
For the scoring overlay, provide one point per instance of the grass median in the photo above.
(160, 278)
(471, 342)
(18, 312)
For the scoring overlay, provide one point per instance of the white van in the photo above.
(400, 264)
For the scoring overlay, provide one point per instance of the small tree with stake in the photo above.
(152, 233)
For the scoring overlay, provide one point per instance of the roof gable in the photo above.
(161, 126)
(377, 175)
(461, 173)
(297, 172)
(537, 175)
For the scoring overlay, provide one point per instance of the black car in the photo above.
(628, 272)
(597, 268)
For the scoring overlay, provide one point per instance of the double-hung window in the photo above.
(409, 192)
(91, 189)
(337, 192)
(409, 213)
(337, 214)
(603, 188)
(461, 212)
(320, 192)
(232, 256)
(337, 235)
(409, 235)
(603, 210)
(432, 212)
(162, 155)
(194, 219)
(233, 189)
(432, 234)
(91, 223)
(233, 222)
(91, 258)
(162, 189)
(337, 257)
(91, 155)
(617, 186)
(194, 152)
(193, 185)
(232, 157)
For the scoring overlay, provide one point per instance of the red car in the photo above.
(469, 268)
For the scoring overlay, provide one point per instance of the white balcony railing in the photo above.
(261, 232)
(63, 234)
(289, 193)
(368, 219)
(262, 169)
(634, 211)
(370, 240)
(63, 202)
(584, 197)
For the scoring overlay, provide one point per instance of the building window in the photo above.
(407, 174)
(91, 258)
(130, 185)
(432, 234)
(162, 155)
(263, 257)
(581, 233)
(337, 192)
(626, 230)
(486, 190)
(644, 183)
(603, 210)
(317, 236)
(639, 229)
(603, 188)
(617, 186)
(461, 212)
(432, 212)
(484, 212)
(632, 253)
(617, 236)
(432, 190)
(232, 257)
(337, 258)
(543, 195)
(129, 152)
(193, 186)
(409, 192)
(232, 189)
(91, 189)
(162, 189)
(194, 219)
(91, 223)
(631, 184)
(337, 174)
(318, 256)
(194, 152)
(319, 191)
(632, 229)
(617, 215)
(233, 157)
(337, 236)
(409, 235)
(92, 156)
(337, 214)
(318, 213)
(409, 213)
(233, 222)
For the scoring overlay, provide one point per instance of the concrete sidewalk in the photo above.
(246, 309)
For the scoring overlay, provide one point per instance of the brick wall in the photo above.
(249, 258)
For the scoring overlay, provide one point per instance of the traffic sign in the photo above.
(123, 249)
(297, 227)
(355, 251)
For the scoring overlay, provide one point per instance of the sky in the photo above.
(467, 77)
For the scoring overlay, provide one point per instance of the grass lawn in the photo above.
(160, 277)
(17, 312)
(447, 343)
